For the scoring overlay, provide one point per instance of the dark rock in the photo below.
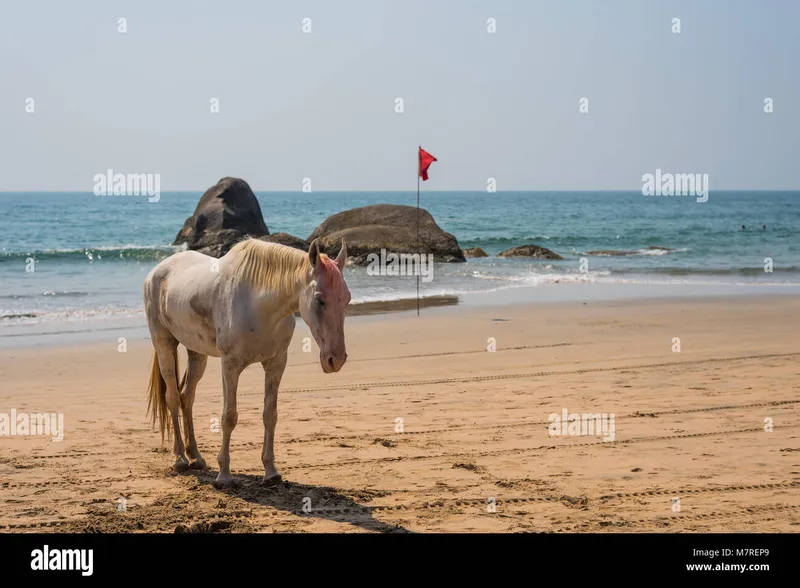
(611, 253)
(475, 252)
(625, 253)
(530, 251)
(385, 226)
(227, 213)
(287, 239)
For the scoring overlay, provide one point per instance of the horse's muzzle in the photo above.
(332, 363)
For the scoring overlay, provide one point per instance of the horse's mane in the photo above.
(269, 266)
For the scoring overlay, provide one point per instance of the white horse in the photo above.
(239, 308)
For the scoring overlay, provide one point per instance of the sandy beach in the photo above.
(424, 429)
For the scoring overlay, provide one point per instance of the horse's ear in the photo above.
(313, 253)
(341, 259)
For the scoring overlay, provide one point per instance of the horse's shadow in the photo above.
(302, 500)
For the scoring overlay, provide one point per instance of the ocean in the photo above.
(90, 254)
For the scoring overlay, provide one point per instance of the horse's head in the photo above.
(322, 304)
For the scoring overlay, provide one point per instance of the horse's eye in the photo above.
(320, 301)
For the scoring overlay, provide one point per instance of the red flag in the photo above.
(425, 161)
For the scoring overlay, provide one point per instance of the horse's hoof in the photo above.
(181, 465)
(198, 464)
(273, 481)
(223, 482)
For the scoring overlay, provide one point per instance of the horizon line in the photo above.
(346, 191)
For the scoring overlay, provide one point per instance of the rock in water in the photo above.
(623, 253)
(287, 239)
(385, 226)
(611, 253)
(530, 251)
(475, 252)
(227, 213)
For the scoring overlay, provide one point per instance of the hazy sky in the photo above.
(322, 104)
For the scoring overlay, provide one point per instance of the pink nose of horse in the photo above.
(333, 363)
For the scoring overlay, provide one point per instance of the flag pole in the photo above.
(418, 251)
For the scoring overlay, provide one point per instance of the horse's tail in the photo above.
(157, 396)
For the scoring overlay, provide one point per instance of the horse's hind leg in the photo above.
(167, 350)
(197, 366)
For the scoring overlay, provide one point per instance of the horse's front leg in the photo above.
(273, 372)
(231, 369)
